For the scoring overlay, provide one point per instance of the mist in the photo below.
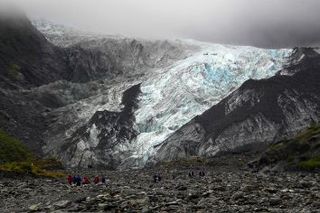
(262, 23)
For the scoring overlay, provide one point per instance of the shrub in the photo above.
(15, 157)
(11, 149)
(30, 169)
(311, 164)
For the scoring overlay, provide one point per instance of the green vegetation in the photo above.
(301, 152)
(16, 158)
(29, 168)
(12, 149)
(313, 130)
(14, 71)
(311, 164)
(49, 164)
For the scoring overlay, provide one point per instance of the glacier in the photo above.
(179, 79)
(187, 88)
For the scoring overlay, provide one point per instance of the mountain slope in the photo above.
(301, 152)
(258, 113)
(178, 80)
(12, 150)
(169, 97)
(27, 58)
(38, 80)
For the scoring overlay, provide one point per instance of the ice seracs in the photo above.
(176, 94)
(258, 113)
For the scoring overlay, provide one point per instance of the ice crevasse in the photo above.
(187, 88)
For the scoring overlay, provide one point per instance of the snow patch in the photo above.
(93, 139)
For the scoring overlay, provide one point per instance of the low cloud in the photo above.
(264, 23)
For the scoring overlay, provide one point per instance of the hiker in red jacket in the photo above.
(85, 180)
(70, 179)
(96, 180)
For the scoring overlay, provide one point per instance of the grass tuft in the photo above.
(311, 164)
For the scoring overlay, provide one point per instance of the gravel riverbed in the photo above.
(226, 187)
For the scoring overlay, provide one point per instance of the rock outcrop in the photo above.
(102, 141)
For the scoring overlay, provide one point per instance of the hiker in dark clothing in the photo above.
(70, 179)
(78, 180)
(202, 174)
(74, 180)
(191, 174)
(156, 178)
(103, 180)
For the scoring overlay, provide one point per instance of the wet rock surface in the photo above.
(226, 187)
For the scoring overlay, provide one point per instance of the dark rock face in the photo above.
(111, 58)
(27, 58)
(89, 65)
(27, 113)
(94, 144)
(258, 113)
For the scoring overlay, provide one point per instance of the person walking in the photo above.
(86, 180)
(70, 179)
(96, 180)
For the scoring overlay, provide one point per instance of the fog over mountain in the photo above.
(263, 23)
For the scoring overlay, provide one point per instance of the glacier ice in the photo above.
(187, 88)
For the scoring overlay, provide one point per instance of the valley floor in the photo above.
(227, 187)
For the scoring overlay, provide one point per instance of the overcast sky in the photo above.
(266, 23)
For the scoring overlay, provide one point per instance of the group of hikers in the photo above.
(77, 180)
(201, 174)
(157, 177)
